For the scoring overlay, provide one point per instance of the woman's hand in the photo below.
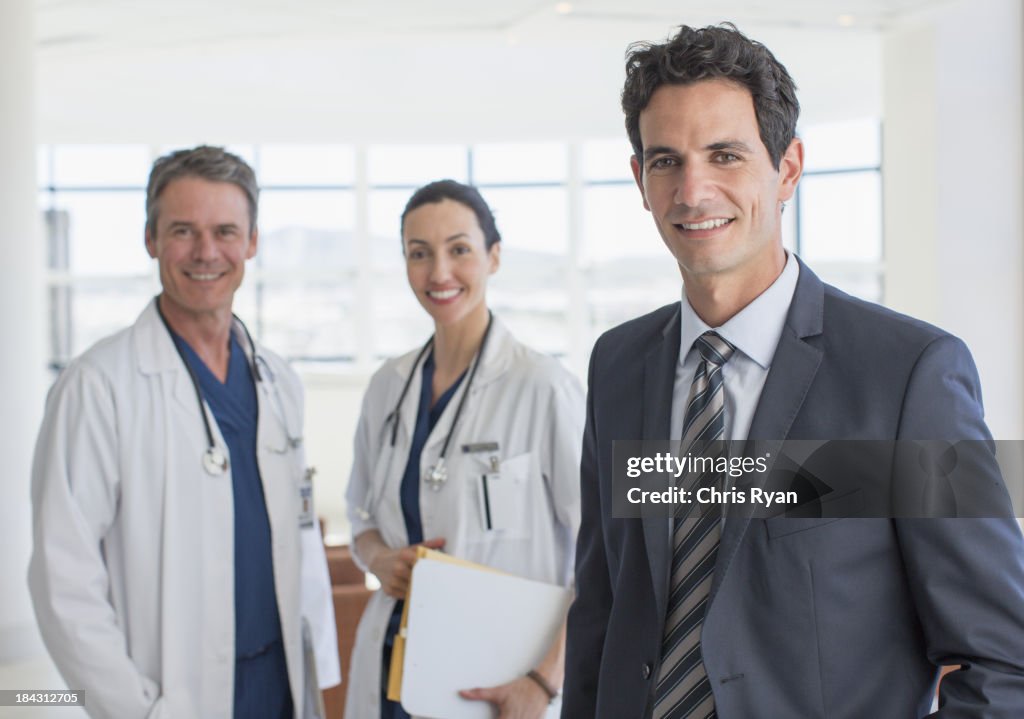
(393, 567)
(524, 698)
(519, 699)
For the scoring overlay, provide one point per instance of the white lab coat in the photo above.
(533, 409)
(132, 570)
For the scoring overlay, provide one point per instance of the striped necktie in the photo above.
(682, 688)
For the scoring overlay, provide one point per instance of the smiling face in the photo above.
(201, 241)
(447, 260)
(708, 180)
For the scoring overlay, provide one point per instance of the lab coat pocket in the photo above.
(502, 493)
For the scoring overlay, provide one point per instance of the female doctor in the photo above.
(471, 402)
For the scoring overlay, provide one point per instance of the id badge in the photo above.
(306, 517)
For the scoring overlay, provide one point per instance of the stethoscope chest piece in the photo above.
(437, 475)
(215, 462)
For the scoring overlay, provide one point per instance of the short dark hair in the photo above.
(457, 192)
(208, 163)
(713, 52)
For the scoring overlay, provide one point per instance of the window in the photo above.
(93, 205)
(307, 270)
(328, 284)
(530, 291)
(839, 206)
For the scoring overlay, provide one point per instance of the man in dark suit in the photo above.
(813, 617)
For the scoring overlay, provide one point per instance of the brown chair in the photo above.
(342, 567)
(348, 584)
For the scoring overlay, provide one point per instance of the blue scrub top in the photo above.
(426, 419)
(257, 621)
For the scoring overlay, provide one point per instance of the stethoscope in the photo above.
(438, 473)
(214, 460)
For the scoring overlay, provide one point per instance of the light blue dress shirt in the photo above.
(754, 331)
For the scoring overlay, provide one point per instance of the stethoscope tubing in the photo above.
(393, 416)
(254, 360)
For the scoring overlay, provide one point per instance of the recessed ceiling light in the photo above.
(846, 20)
(563, 8)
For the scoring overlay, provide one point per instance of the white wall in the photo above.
(22, 361)
(332, 410)
(953, 174)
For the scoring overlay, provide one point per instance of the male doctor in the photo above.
(177, 570)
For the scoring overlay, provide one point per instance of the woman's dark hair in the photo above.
(457, 192)
(709, 53)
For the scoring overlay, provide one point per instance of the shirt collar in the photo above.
(755, 330)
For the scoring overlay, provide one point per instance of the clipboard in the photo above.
(466, 625)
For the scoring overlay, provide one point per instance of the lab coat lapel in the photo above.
(659, 382)
(272, 446)
(793, 369)
(157, 354)
(495, 361)
(406, 413)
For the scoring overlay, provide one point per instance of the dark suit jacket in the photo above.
(844, 618)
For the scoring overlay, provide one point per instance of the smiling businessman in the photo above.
(811, 617)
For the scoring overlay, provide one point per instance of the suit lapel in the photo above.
(793, 369)
(659, 381)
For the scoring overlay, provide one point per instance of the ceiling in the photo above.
(111, 24)
(405, 70)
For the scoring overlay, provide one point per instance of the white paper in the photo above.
(473, 628)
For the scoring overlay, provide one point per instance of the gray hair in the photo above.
(208, 163)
